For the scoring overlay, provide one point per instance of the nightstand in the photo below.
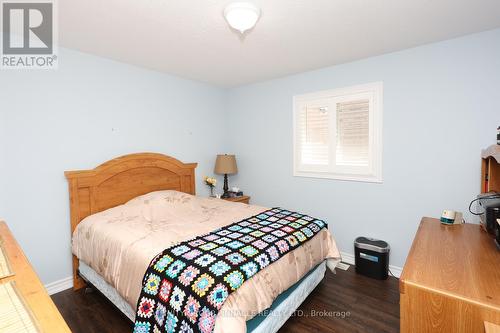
(242, 199)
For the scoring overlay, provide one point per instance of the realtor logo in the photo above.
(28, 35)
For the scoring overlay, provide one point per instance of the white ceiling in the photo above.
(191, 39)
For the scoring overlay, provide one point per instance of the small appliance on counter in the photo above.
(490, 203)
(372, 257)
(450, 217)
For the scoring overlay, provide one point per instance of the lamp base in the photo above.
(225, 188)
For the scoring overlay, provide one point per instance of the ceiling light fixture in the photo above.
(242, 15)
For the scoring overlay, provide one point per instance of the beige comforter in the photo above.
(119, 244)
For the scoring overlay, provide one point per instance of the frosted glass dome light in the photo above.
(242, 15)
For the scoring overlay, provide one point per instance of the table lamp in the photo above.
(225, 165)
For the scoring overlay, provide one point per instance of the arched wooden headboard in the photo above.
(117, 181)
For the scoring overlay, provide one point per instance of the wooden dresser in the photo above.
(30, 287)
(451, 280)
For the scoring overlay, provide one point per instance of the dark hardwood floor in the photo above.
(368, 305)
(343, 302)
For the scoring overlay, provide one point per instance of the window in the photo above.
(338, 134)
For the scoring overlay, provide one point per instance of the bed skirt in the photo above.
(281, 309)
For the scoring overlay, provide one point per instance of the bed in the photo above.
(134, 206)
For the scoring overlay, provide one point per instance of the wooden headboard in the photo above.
(117, 181)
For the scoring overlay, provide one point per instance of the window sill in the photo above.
(354, 178)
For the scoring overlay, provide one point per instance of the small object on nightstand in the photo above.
(233, 194)
(211, 182)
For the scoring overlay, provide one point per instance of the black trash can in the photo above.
(372, 257)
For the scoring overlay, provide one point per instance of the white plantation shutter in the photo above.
(353, 133)
(314, 136)
(338, 134)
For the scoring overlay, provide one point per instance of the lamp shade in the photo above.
(225, 164)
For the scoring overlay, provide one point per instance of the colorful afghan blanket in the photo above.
(186, 285)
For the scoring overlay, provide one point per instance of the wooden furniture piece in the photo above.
(121, 179)
(490, 169)
(491, 328)
(242, 199)
(30, 287)
(451, 280)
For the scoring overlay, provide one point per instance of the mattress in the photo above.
(119, 243)
(269, 321)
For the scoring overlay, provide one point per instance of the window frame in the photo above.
(373, 172)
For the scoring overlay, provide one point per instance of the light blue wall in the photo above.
(440, 108)
(87, 112)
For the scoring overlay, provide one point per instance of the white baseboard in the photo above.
(349, 259)
(60, 285)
